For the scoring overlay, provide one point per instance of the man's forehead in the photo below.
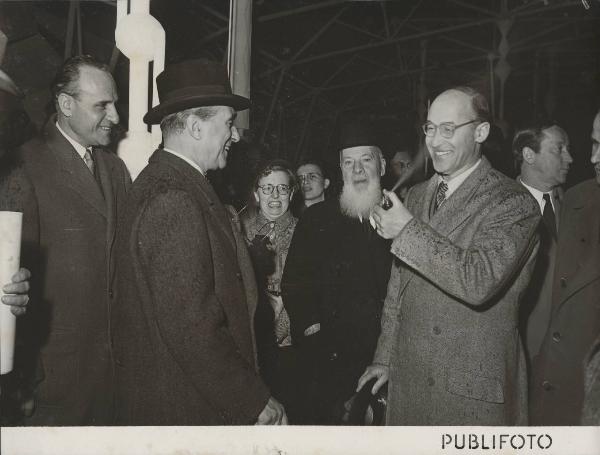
(451, 106)
(401, 156)
(358, 151)
(309, 167)
(555, 133)
(596, 127)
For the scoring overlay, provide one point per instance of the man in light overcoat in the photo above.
(466, 244)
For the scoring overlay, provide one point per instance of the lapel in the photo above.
(104, 174)
(203, 190)
(75, 174)
(453, 213)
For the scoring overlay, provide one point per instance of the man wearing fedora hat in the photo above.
(335, 279)
(183, 338)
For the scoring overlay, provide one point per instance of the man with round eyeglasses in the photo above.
(313, 182)
(465, 245)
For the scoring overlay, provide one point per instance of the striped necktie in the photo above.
(89, 162)
(440, 197)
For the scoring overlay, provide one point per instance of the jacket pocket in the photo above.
(475, 386)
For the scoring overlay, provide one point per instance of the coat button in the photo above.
(239, 275)
(110, 293)
(333, 356)
(556, 336)
(437, 330)
(547, 385)
(563, 282)
(431, 382)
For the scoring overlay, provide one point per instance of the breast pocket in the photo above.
(475, 386)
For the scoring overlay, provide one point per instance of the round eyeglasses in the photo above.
(446, 129)
(310, 177)
(282, 188)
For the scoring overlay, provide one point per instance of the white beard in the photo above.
(357, 204)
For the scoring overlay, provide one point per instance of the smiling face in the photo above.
(89, 116)
(217, 133)
(452, 156)
(275, 204)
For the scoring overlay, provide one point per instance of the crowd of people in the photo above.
(463, 298)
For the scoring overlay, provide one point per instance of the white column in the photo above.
(141, 38)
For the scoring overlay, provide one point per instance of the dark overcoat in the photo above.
(450, 320)
(336, 275)
(68, 234)
(183, 339)
(557, 390)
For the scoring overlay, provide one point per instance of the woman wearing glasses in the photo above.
(268, 231)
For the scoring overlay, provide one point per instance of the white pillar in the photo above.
(240, 35)
(141, 38)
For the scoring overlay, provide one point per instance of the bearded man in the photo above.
(335, 282)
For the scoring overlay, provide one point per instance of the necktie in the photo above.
(440, 197)
(548, 216)
(87, 157)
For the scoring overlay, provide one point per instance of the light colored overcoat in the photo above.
(449, 325)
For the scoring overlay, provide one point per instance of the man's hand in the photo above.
(272, 414)
(390, 222)
(381, 372)
(18, 290)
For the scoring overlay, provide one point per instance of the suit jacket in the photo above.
(537, 302)
(558, 372)
(68, 235)
(183, 338)
(449, 325)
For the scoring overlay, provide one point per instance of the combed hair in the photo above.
(175, 123)
(314, 162)
(67, 78)
(530, 137)
(273, 166)
(479, 103)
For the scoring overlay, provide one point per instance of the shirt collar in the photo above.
(457, 181)
(186, 159)
(538, 195)
(80, 149)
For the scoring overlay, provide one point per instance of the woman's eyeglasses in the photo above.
(281, 189)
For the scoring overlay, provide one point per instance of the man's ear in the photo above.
(194, 126)
(65, 104)
(482, 131)
(326, 183)
(528, 155)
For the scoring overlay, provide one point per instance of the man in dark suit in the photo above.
(466, 242)
(557, 390)
(182, 325)
(67, 241)
(543, 154)
(334, 282)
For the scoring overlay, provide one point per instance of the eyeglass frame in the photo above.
(311, 176)
(288, 189)
(454, 127)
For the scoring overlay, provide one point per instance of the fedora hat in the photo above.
(193, 83)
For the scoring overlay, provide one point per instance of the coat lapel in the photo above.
(75, 173)
(452, 213)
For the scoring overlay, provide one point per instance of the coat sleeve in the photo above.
(500, 246)
(175, 255)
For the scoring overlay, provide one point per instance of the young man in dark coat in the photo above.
(335, 280)
(67, 244)
(182, 325)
